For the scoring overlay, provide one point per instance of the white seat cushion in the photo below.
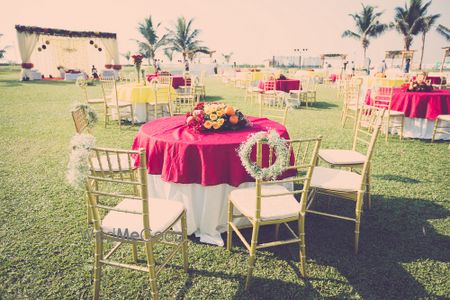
(272, 208)
(394, 113)
(444, 117)
(336, 180)
(162, 214)
(342, 157)
(296, 91)
(123, 158)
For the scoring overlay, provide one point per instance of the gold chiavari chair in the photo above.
(162, 98)
(185, 100)
(199, 86)
(130, 216)
(345, 184)
(122, 108)
(382, 98)
(352, 101)
(355, 158)
(251, 91)
(92, 101)
(300, 95)
(311, 92)
(187, 86)
(441, 125)
(274, 106)
(269, 203)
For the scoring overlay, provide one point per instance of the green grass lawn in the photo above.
(405, 237)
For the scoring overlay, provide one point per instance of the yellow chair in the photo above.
(269, 203)
(162, 97)
(129, 216)
(122, 108)
(438, 128)
(345, 184)
(355, 158)
(274, 106)
(382, 98)
(352, 103)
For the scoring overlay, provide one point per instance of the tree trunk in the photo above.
(365, 49)
(186, 62)
(408, 41)
(423, 49)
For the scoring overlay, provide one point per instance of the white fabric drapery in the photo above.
(27, 43)
(112, 51)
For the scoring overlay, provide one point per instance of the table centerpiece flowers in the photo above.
(137, 61)
(215, 117)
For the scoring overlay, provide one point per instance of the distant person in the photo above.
(407, 65)
(234, 65)
(158, 66)
(353, 67)
(94, 72)
(345, 65)
(381, 67)
(216, 67)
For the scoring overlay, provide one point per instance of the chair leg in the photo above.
(277, 231)
(185, 241)
(301, 235)
(252, 258)
(98, 255)
(230, 229)
(132, 115)
(151, 269)
(358, 220)
(436, 125)
(386, 130)
(134, 250)
(401, 128)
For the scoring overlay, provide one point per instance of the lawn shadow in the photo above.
(394, 232)
(323, 105)
(397, 178)
(10, 83)
(213, 98)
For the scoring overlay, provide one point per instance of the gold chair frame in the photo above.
(109, 90)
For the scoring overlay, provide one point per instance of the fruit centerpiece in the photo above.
(214, 117)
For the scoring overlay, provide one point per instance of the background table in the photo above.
(198, 169)
(139, 95)
(177, 80)
(283, 85)
(421, 110)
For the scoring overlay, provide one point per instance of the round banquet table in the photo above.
(198, 169)
(421, 110)
(177, 80)
(285, 85)
(139, 95)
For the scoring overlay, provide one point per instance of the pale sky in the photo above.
(253, 30)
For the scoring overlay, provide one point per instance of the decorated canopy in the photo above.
(332, 55)
(400, 54)
(446, 54)
(49, 50)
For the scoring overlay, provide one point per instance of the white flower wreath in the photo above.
(274, 140)
(91, 114)
(78, 167)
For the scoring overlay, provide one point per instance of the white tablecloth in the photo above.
(419, 128)
(72, 76)
(206, 206)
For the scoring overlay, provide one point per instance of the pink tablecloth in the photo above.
(419, 104)
(284, 85)
(181, 155)
(176, 80)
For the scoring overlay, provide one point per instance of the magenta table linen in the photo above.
(181, 155)
(176, 80)
(283, 85)
(425, 105)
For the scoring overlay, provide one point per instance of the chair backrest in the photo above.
(80, 120)
(165, 79)
(269, 85)
(105, 192)
(109, 89)
(368, 118)
(274, 106)
(303, 158)
(106, 162)
(161, 90)
(187, 79)
(382, 97)
(164, 73)
(352, 92)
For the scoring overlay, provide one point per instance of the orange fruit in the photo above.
(234, 119)
(229, 110)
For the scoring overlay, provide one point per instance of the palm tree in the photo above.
(227, 57)
(408, 21)
(367, 26)
(444, 31)
(127, 55)
(184, 39)
(169, 54)
(427, 24)
(151, 42)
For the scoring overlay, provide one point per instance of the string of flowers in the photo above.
(273, 139)
(91, 114)
(78, 166)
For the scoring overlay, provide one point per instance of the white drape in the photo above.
(27, 43)
(112, 51)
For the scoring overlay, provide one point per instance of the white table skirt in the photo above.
(140, 114)
(206, 206)
(419, 128)
(72, 76)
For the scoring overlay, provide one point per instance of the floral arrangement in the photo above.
(63, 32)
(273, 139)
(108, 66)
(137, 61)
(420, 84)
(91, 115)
(215, 116)
(78, 167)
